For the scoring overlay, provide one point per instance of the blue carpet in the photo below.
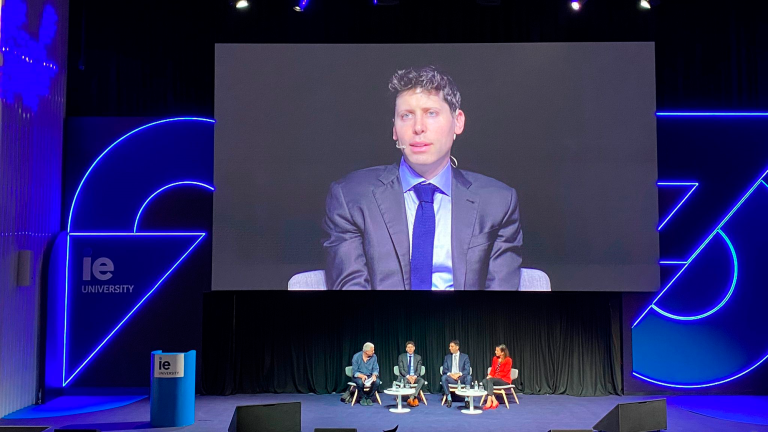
(744, 409)
(538, 413)
(69, 405)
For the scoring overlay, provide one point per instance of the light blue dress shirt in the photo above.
(442, 264)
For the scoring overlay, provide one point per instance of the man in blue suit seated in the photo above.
(365, 369)
(455, 370)
(421, 223)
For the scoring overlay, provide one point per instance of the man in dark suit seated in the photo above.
(409, 365)
(455, 370)
(421, 223)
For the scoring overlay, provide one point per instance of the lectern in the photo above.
(172, 394)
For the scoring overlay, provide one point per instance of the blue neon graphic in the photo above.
(74, 200)
(117, 233)
(668, 384)
(25, 68)
(725, 299)
(302, 5)
(673, 262)
(703, 244)
(201, 235)
(135, 225)
(728, 114)
(66, 309)
(695, 185)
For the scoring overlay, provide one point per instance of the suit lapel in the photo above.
(389, 197)
(464, 204)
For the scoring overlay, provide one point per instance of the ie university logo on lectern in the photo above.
(169, 366)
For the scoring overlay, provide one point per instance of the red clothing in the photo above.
(503, 371)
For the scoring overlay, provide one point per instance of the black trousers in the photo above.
(488, 383)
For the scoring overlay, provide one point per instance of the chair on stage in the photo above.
(530, 280)
(348, 370)
(421, 392)
(502, 390)
(451, 387)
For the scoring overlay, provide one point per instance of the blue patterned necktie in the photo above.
(423, 241)
(410, 365)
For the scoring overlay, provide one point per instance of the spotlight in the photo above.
(386, 2)
(241, 4)
(575, 5)
(644, 4)
(301, 6)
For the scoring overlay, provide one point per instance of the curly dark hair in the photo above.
(427, 78)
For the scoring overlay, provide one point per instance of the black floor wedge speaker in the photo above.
(635, 417)
(280, 417)
(334, 430)
(571, 430)
(24, 428)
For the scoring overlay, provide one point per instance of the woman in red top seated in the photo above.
(501, 374)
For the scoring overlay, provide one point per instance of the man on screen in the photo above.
(421, 224)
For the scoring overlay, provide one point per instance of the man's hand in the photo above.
(374, 377)
(455, 375)
(362, 377)
(411, 378)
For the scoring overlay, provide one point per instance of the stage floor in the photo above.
(535, 414)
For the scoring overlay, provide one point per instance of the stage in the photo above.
(536, 413)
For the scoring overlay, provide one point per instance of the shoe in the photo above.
(415, 402)
(366, 402)
(495, 405)
(487, 407)
(466, 404)
(449, 403)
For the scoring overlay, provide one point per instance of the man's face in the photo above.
(454, 348)
(369, 352)
(410, 348)
(425, 125)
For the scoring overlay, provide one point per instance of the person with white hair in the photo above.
(365, 373)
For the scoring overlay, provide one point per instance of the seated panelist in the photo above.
(501, 374)
(365, 367)
(409, 365)
(456, 369)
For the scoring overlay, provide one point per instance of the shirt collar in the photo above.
(410, 178)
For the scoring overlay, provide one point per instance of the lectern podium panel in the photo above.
(172, 396)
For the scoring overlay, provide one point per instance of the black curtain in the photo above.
(300, 342)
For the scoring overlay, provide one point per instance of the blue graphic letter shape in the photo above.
(706, 327)
(103, 223)
(691, 186)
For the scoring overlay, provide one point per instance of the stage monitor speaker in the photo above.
(280, 417)
(635, 417)
(76, 430)
(571, 430)
(339, 430)
(24, 428)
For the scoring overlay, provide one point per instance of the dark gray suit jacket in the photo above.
(368, 246)
(402, 364)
